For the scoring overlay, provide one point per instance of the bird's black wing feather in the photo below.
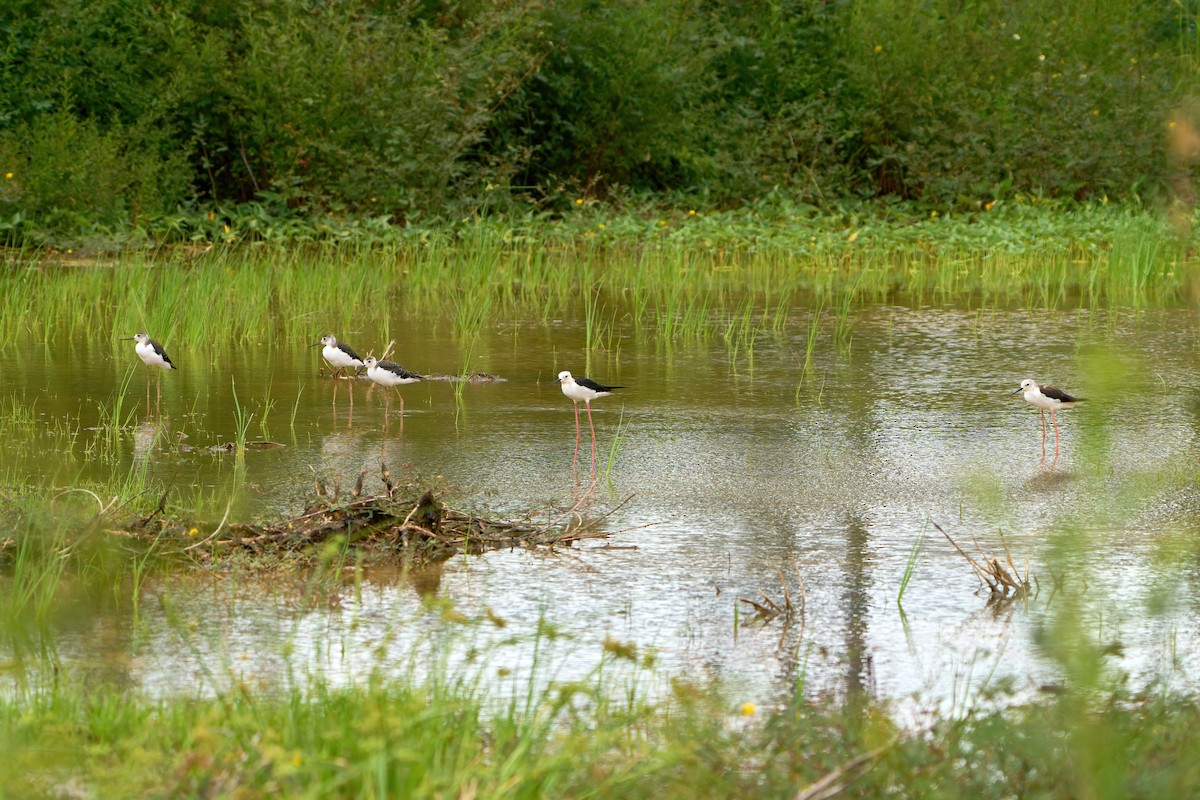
(1055, 393)
(345, 348)
(159, 349)
(392, 366)
(588, 383)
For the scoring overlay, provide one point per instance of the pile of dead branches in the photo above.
(419, 528)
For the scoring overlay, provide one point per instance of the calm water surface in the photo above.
(736, 473)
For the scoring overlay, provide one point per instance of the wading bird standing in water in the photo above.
(1046, 398)
(152, 355)
(341, 358)
(388, 374)
(586, 390)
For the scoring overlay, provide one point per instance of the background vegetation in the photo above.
(122, 115)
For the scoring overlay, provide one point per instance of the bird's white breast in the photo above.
(146, 353)
(336, 357)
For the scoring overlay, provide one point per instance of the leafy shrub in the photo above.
(1054, 98)
(620, 98)
(69, 175)
(113, 111)
(340, 105)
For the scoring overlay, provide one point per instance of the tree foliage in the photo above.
(112, 110)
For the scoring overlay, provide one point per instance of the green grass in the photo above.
(682, 285)
(910, 566)
(441, 733)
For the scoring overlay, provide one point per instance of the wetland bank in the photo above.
(796, 422)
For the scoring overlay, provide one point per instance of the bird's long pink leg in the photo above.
(1055, 423)
(578, 434)
(593, 427)
(1043, 433)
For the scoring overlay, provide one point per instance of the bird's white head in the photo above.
(329, 340)
(565, 377)
(142, 337)
(1026, 385)
(370, 361)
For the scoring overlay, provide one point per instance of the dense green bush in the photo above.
(1059, 98)
(622, 97)
(345, 105)
(117, 111)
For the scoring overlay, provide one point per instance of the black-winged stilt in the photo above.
(1046, 398)
(341, 357)
(388, 374)
(152, 355)
(583, 390)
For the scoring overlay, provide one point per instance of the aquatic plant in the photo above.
(910, 566)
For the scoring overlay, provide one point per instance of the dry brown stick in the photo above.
(975, 566)
(803, 595)
(770, 602)
(825, 787)
(387, 350)
(766, 612)
(578, 505)
(425, 531)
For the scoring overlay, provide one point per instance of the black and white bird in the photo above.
(341, 357)
(583, 390)
(388, 374)
(152, 355)
(149, 351)
(1046, 398)
(339, 354)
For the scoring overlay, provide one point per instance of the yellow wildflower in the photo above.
(748, 709)
(8, 175)
(579, 201)
(878, 48)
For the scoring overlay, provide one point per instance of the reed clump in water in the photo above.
(1004, 581)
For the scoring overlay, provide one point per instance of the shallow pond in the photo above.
(738, 473)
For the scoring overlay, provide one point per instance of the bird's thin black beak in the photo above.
(314, 344)
(127, 338)
(1017, 390)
